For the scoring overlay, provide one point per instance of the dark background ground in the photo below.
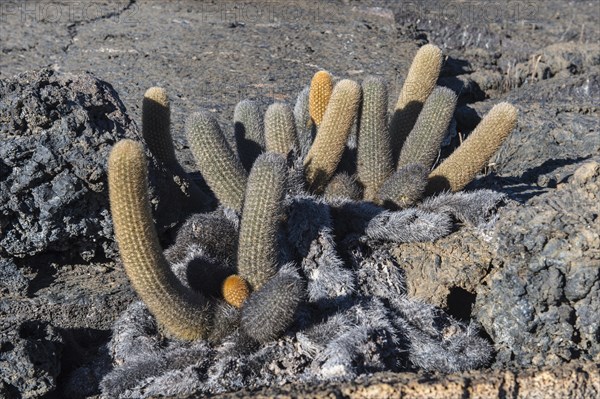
(213, 54)
(542, 56)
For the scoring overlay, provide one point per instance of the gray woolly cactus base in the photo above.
(356, 317)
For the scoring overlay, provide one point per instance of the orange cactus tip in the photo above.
(321, 87)
(235, 290)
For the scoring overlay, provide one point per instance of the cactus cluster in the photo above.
(183, 312)
(293, 250)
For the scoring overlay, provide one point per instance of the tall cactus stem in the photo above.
(374, 158)
(263, 209)
(420, 81)
(156, 125)
(321, 87)
(424, 141)
(280, 129)
(249, 131)
(327, 149)
(183, 313)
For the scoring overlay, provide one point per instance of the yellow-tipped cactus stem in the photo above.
(183, 313)
(280, 129)
(327, 149)
(461, 167)
(263, 209)
(235, 290)
(420, 81)
(321, 87)
(156, 125)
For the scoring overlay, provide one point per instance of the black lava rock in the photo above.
(12, 279)
(541, 303)
(29, 360)
(56, 132)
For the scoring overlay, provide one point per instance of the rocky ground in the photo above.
(531, 279)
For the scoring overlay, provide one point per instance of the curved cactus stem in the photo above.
(420, 81)
(374, 158)
(263, 209)
(461, 167)
(327, 149)
(218, 164)
(183, 313)
(423, 142)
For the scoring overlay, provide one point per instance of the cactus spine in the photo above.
(235, 290)
(424, 141)
(257, 247)
(321, 87)
(218, 164)
(327, 149)
(249, 131)
(419, 83)
(342, 185)
(280, 129)
(374, 158)
(183, 313)
(461, 167)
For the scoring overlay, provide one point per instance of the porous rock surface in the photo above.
(12, 279)
(571, 381)
(52, 319)
(541, 301)
(532, 278)
(56, 132)
(30, 360)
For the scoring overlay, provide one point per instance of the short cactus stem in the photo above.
(235, 290)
